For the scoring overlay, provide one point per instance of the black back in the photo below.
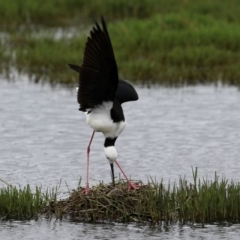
(125, 92)
(98, 79)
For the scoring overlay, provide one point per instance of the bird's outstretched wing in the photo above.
(125, 91)
(98, 78)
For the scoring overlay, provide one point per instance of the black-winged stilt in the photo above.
(101, 93)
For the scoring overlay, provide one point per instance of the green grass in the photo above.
(177, 50)
(18, 203)
(200, 201)
(166, 42)
(58, 12)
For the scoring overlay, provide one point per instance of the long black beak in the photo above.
(74, 67)
(112, 170)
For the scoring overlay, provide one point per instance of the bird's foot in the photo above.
(132, 186)
(86, 190)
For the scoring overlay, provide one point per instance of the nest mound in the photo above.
(108, 203)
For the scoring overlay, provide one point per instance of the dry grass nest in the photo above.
(107, 203)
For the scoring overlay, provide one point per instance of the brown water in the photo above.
(43, 138)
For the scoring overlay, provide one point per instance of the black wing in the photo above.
(125, 91)
(98, 79)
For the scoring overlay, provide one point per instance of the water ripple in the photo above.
(43, 138)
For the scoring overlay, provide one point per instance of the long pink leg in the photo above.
(87, 190)
(130, 184)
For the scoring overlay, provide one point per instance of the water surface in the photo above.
(43, 139)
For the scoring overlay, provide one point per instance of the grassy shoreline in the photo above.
(66, 13)
(170, 43)
(202, 201)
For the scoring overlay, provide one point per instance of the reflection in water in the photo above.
(43, 138)
(43, 229)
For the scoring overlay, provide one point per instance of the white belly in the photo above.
(100, 120)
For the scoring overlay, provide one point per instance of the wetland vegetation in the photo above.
(201, 201)
(166, 42)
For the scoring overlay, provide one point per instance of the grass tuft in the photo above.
(18, 203)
